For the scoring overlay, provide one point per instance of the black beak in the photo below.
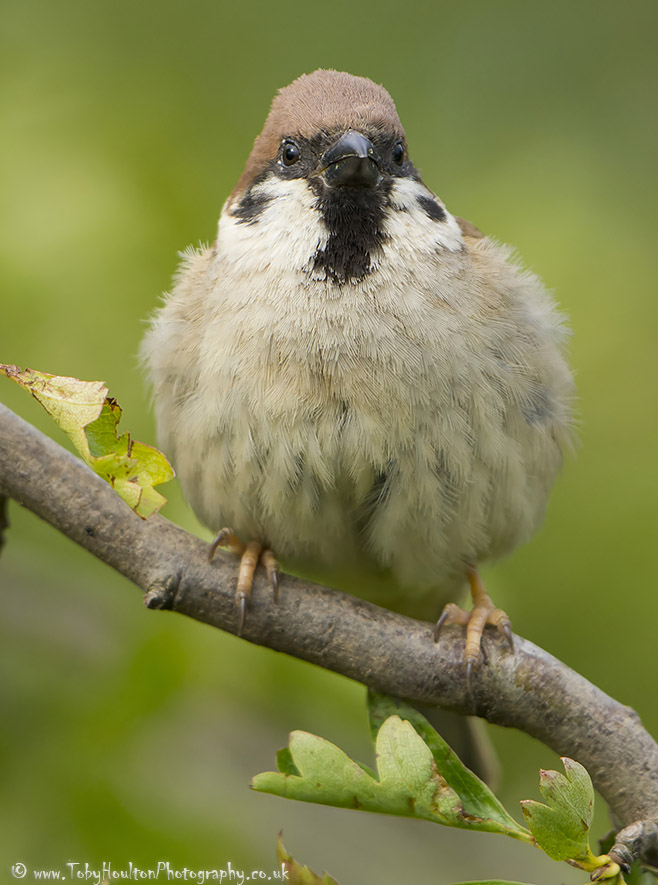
(352, 161)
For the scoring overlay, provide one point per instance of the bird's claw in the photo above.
(268, 559)
(506, 629)
(274, 580)
(218, 542)
(226, 538)
(451, 614)
(470, 666)
(439, 624)
(242, 602)
(483, 613)
(250, 555)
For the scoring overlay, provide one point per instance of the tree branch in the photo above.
(529, 689)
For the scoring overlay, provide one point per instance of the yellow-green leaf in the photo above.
(89, 417)
(297, 874)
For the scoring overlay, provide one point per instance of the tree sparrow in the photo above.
(356, 381)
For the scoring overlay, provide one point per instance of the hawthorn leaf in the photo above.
(561, 826)
(297, 874)
(407, 780)
(89, 417)
(479, 803)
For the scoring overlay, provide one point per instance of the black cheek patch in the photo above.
(431, 208)
(251, 207)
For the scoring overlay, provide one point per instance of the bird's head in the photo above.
(333, 130)
(332, 162)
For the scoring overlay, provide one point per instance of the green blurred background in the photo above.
(128, 735)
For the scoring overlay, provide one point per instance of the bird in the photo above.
(353, 383)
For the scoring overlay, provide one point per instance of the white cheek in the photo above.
(286, 236)
(412, 227)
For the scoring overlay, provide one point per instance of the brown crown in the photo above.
(324, 101)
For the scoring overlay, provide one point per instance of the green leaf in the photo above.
(296, 874)
(89, 417)
(491, 882)
(408, 775)
(478, 802)
(561, 826)
(326, 775)
(407, 781)
(284, 762)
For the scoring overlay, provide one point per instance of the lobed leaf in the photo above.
(561, 826)
(411, 779)
(479, 803)
(297, 874)
(89, 417)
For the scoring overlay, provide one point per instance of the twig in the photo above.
(529, 689)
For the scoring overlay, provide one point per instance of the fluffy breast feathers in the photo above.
(413, 419)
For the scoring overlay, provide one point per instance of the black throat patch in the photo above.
(354, 217)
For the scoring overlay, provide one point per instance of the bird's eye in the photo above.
(398, 153)
(291, 153)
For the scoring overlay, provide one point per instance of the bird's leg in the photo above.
(484, 612)
(250, 555)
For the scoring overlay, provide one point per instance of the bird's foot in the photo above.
(484, 612)
(250, 555)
